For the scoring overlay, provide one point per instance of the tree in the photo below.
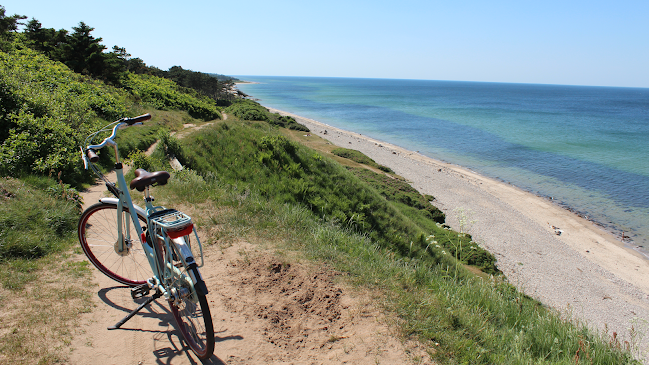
(83, 52)
(113, 68)
(137, 65)
(8, 25)
(47, 40)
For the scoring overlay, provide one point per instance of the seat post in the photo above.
(147, 194)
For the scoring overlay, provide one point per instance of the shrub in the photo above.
(287, 121)
(139, 160)
(248, 110)
(164, 94)
(45, 112)
(359, 157)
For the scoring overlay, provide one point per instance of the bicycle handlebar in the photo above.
(141, 118)
(90, 154)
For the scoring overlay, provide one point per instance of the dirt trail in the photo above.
(265, 311)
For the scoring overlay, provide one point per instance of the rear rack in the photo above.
(177, 224)
(171, 219)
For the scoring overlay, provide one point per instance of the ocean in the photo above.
(586, 148)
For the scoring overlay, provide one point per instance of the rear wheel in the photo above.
(189, 307)
(98, 237)
(194, 319)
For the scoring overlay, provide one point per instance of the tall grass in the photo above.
(459, 317)
(37, 218)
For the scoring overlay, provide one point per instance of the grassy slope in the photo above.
(270, 188)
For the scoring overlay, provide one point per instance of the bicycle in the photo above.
(162, 261)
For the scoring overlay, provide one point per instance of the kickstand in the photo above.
(130, 315)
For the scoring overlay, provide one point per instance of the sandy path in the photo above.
(265, 311)
(584, 271)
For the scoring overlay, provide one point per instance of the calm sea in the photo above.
(586, 147)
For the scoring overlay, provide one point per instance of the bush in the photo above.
(139, 160)
(287, 122)
(45, 112)
(164, 94)
(359, 157)
(248, 110)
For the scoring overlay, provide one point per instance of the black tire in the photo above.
(195, 323)
(191, 311)
(98, 237)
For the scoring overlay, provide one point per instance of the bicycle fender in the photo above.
(192, 268)
(184, 250)
(114, 201)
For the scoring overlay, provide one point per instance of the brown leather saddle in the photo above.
(144, 178)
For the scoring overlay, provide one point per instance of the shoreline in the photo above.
(549, 252)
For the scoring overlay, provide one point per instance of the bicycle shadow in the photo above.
(160, 312)
(178, 349)
(166, 334)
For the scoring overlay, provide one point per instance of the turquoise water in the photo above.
(585, 147)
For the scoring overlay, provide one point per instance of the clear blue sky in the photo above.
(577, 42)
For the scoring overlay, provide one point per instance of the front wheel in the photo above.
(126, 263)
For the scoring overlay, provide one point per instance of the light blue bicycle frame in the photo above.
(124, 200)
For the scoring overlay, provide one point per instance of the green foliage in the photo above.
(248, 110)
(80, 51)
(171, 146)
(287, 122)
(139, 160)
(8, 26)
(400, 191)
(46, 40)
(45, 112)
(164, 94)
(34, 223)
(251, 156)
(359, 157)
(206, 84)
(245, 109)
(460, 319)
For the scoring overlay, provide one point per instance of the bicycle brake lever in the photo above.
(129, 125)
(84, 158)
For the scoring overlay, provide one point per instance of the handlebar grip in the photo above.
(92, 156)
(141, 118)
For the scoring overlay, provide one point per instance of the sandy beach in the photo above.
(550, 253)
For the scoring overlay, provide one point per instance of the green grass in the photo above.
(42, 290)
(461, 318)
(397, 190)
(34, 222)
(359, 157)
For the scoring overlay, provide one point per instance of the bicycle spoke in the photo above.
(98, 237)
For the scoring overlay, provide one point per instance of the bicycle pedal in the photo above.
(140, 291)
